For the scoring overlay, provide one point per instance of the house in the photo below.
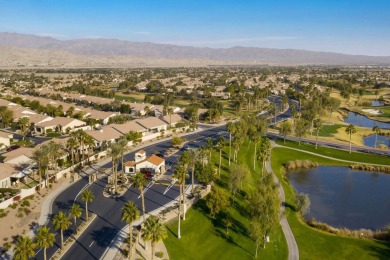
(5, 139)
(152, 124)
(22, 155)
(101, 116)
(153, 164)
(106, 134)
(172, 119)
(7, 170)
(61, 124)
(129, 126)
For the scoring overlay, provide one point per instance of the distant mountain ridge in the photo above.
(144, 50)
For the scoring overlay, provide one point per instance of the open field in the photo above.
(314, 244)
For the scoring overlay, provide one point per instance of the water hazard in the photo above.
(359, 120)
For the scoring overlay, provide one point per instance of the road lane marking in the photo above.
(150, 184)
(169, 186)
(91, 243)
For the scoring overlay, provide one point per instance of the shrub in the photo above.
(298, 164)
(25, 203)
(159, 254)
(14, 205)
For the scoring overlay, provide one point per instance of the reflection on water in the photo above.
(376, 103)
(342, 197)
(381, 139)
(359, 120)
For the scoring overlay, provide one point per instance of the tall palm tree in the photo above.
(122, 143)
(89, 142)
(24, 123)
(264, 152)
(45, 239)
(72, 146)
(81, 136)
(114, 152)
(377, 131)
(154, 232)
(210, 146)
(55, 152)
(24, 249)
(139, 182)
(87, 196)
(130, 213)
(220, 145)
(75, 212)
(318, 126)
(170, 112)
(255, 138)
(194, 157)
(41, 156)
(181, 175)
(351, 129)
(61, 222)
(230, 127)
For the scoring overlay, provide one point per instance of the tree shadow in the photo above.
(289, 206)
(380, 252)
(230, 240)
(104, 236)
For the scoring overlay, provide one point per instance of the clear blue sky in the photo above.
(345, 26)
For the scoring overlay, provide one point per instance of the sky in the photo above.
(343, 26)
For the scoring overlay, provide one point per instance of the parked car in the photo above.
(13, 147)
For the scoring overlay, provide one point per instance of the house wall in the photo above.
(5, 183)
(5, 141)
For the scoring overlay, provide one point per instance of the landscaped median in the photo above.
(72, 239)
(315, 244)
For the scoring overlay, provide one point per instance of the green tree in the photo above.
(377, 131)
(24, 124)
(139, 182)
(351, 129)
(114, 152)
(217, 200)
(302, 203)
(210, 146)
(24, 248)
(41, 156)
(130, 213)
(154, 232)
(180, 174)
(177, 141)
(256, 233)
(205, 173)
(61, 222)
(87, 196)
(123, 148)
(264, 152)
(301, 129)
(285, 129)
(230, 127)
(194, 158)
(45, 239)
(75, 212)
(72, 146)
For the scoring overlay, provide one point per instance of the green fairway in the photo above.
(205, 238)
(339, 154)
(329, 130)
(130, 98)
(314, 244)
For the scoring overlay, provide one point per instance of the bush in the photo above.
(299, 164)
(25, 203)
(159, 254)
(14, 205)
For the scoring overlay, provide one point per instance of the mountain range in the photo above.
(21, 50)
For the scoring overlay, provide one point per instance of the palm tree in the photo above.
(318, 126)
(220, 145)
(41, 156)
(123, 148)
(45, 239)
(351, 129)
(114, 152)
(210, 146)
(154, 232)
(87, 196)
(255, 138)
(264, 152)
(81, 136)
(71, 145)
(181, 175)
(55, 152)
(24, 250)
(230, 127)
(24, 123)
(139, 183)
(61, 222)
(89, 142)
(130, 213)
(377, 131)
(193, 159)
(170, 112)
(75, 212)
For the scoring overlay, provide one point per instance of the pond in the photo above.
(359, 120)
(377, 103)
(381, 139)
(342, 197)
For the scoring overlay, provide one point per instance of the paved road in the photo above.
(98, 236)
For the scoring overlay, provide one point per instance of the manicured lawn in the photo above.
(205, 238)
(132, 98)
(314, 244)
(340, 154)
(328, 130)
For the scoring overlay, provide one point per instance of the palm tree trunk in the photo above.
(254, 158)
(376, 136)
(317, 138)
(130, 241)
(44, 253)
(257, 247)
(143, 203)
(350, 143)
(153, 248)
(220, 161)
(179, 217)
(184, 202)
(74, 221)
(62, 239)
(230, 146)
(86, 211)
(193, 178)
